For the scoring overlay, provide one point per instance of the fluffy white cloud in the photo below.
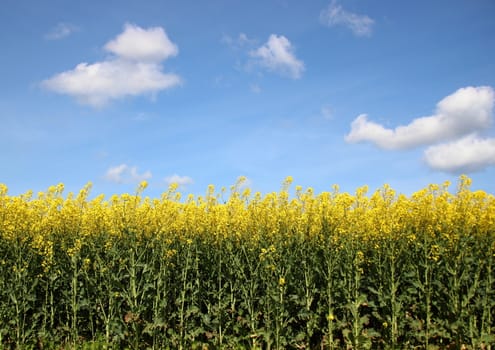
(142, 45)
(96, 84)
(61, 30)
(334, 15)
(124, 173)
(468, 154)
(135, 69)
(467, 110)
(277, 55)
(179, 180)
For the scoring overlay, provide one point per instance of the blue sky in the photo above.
(347, 92)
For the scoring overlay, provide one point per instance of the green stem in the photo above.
(394, 304)
(356, 330)
(487, 317)
(428, 303)
(309, 301)
(219, 298)
(134, 298)
(183, 300)
(330, 315)
(74, 300)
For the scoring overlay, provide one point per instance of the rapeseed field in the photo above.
(240, 270)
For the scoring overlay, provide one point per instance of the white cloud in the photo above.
(114, 174)
(134, 70)
(468, 154)
(467, 110)
(240, 42)
(142, 45)
(96, 84)
(334, 14)
(277, 55)
(124, 173)
(60, 31)
(179, 180)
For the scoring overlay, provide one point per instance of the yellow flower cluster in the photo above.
(432, 211)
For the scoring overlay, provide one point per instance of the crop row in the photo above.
(307, 271)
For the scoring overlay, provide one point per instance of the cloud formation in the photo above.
(468, 154)
(451, 132)
(182, 181)
(134, 69)
(142, 45)
(334, 15)
(124, 173)
(241, 41)
(277, 55)
(61, 30)
(465, 111)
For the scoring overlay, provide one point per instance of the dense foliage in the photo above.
(329, 270)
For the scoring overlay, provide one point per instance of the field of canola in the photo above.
(237, 270)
